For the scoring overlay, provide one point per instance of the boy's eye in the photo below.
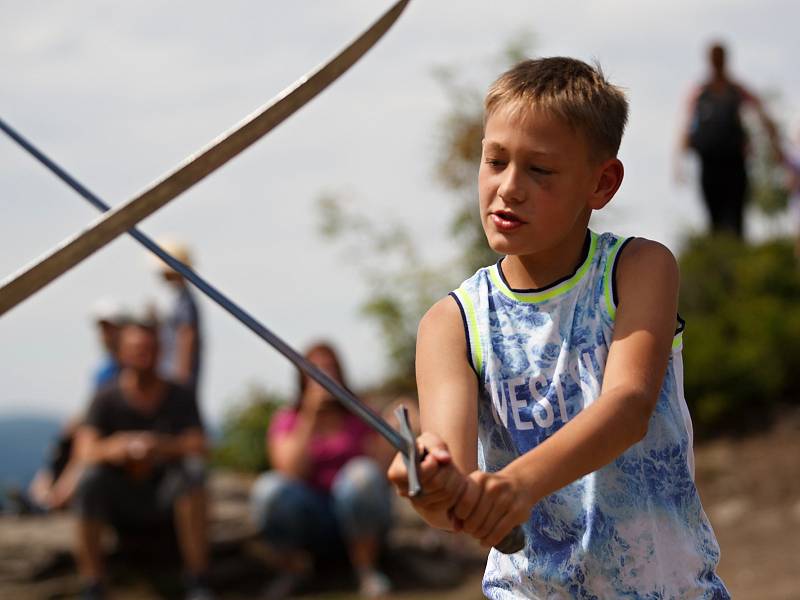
(494, 162)
(540, 170)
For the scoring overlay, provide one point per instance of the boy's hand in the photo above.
(442, 482)
(490, 506)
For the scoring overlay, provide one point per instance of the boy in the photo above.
(569, 345)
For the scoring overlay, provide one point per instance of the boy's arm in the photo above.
(647, 281)
(448, 392)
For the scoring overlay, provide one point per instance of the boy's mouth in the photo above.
(506, 220)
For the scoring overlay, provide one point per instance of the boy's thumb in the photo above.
(441, 454)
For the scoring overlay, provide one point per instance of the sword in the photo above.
(403, 440)
(16, 288)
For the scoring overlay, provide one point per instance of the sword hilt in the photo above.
(411, 456)
(513, 542)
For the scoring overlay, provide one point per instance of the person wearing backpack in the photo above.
(714, 130)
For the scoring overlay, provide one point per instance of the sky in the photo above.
(118, 93)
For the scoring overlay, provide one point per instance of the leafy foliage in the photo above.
(242, 444)
(742, 308)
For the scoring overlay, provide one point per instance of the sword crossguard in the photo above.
(411, 456)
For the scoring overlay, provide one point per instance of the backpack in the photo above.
(716, 128)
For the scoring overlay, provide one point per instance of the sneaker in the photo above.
(373, 584)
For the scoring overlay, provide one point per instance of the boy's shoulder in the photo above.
(441, 317)
(641, 255)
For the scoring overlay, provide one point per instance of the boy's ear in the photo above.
(610, 174)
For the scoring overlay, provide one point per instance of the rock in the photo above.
(36, 558)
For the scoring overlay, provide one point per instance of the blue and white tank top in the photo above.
(632, 529)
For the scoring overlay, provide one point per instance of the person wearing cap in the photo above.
(142, 447)
(53, 485)
(181, 345)
(108, 315)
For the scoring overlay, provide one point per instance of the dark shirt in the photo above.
(110, 412)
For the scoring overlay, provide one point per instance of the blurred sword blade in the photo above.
(16, 288)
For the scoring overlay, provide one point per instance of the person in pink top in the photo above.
(325, 494)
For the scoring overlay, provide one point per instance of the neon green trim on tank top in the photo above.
(561, 288)
(473, 333)
(677, 341)
(608, 276)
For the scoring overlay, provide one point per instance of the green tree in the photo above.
(241, 446)
(742, 309)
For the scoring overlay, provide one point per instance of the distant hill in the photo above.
(24, 441)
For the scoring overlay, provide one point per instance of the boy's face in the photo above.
(537, 184)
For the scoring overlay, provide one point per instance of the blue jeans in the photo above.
(292, 515)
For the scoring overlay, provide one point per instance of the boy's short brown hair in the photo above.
(570, 89)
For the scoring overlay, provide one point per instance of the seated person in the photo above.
(325, 495)
(53, 486)
(142, 444)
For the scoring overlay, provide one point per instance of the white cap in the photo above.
(108, 310)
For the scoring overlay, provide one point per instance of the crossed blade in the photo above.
(116, 221)
(75, 249)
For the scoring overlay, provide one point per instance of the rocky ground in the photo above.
(750, 488)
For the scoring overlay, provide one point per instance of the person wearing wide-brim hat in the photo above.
(181, 345)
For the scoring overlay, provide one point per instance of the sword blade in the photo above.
(403, 442)
(73, 250)
(349, 400)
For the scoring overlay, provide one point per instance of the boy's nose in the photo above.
(511, 188)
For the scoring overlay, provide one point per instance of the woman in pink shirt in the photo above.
(325, 494)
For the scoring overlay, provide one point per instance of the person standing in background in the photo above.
(714, 130)
(181, 341)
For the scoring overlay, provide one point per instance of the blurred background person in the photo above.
(714, 131)
(325, 496)
(53, 485)
(143, 446)
(181, 341)
(108, 315)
